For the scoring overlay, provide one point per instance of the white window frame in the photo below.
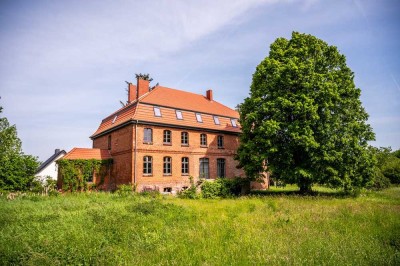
(199, 118)
(157, 111)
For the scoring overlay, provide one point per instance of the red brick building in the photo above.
(163, 136)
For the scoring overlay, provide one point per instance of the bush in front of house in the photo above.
(224, 188)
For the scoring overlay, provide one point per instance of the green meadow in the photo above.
(274, 228)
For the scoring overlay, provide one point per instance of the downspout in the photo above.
(134, 158)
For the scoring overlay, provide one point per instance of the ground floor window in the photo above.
(221, 168)
(204, 168)
(167, 166)
(147, 165)
(185, 166)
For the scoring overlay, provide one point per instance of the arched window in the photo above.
(203, 140)
(148, 136)
(221, 168)
(220, 142)
(185, 139)
(185, 165)
(167, 166)
(147, 165)
(167, 137)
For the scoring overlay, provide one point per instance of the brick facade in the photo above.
(123, 152)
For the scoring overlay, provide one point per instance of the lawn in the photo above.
(278, 228)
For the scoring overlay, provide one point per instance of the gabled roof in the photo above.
(169, 100)
(87, 154)
(51, 159)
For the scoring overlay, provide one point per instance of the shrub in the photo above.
(380, 181)
(124, 190)
(224, 188)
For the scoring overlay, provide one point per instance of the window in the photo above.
(204, 169)
(233, 122)
(157, 111)
(89, 177)
(148, 135)
(203, 140)
(198, 118)
(221, 167)
(168, 189)
(220, 142)
(179, 115)
(167, 137)
(167, 166)
(185, 165)
(185, 139)
(109, 142)
(216, 120)
(115, 118)
(147, 165)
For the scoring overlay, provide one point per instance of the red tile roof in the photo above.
(86, 153)
(170, 100)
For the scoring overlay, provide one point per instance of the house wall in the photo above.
(121, 152)
(158, 150)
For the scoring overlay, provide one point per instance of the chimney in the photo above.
(56, 151)
(209, 95)
(131, 92)
(142, 87)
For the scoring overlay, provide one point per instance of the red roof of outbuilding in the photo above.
(86, 154)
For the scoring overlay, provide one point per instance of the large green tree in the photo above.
(304, 120)
(16, 169)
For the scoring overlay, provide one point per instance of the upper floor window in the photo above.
(203, 140)
(147, 165)
(220, 142)
(233, 122)
(216, 120)
(109, 142)
(185, 138)
(198, 118)
(148, 135)
(157, 111)
(179, 115)
(185, 165)
(167, 137)
(167, 166)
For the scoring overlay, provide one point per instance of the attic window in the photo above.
(157, 111)
(233, 122)
(115, 118)
(198, 118)
(179, 115)
(216, 120)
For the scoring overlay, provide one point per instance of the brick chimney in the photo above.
(132, 91)
(209, 95)
(142, 87)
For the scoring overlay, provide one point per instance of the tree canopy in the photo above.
(304, 120)
(16, 169)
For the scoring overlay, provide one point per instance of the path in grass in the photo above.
(108, 229)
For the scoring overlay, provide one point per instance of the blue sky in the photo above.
(64, 64)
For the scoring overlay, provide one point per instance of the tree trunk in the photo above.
(305, 187)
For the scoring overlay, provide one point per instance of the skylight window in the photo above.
(115, 118)
(233, 122)
(216, 120)
(157, 111)
(198, 118)
(179, 115)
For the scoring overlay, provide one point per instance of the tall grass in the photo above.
(112, 229)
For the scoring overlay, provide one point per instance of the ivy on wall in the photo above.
(76, 175)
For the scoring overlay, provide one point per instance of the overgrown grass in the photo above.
(112, 229)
